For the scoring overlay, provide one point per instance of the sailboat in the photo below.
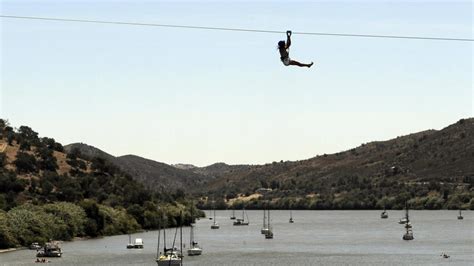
(242, 221)
(460, 215)
(170, 256)
(384, 214)
(409, 233)
(269, 232)
(194, 248)
(215, 225)
(233, 215)
(130, 244)
(264, 229)
(137, 244)
(210, 214)
(291, 217)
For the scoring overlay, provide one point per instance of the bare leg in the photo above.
(296, 63)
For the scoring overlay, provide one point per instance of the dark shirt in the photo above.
(283, 53)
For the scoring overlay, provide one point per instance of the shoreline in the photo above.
(77, 238)
(11, 249)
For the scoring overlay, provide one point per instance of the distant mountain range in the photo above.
(445, 155)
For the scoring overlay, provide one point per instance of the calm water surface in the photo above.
(316, 238)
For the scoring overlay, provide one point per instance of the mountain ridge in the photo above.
(436, 157)
(429, 156)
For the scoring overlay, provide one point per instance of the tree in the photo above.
(9, 182)
(179, 194)
(52, 144)
(47, 159)
(102, 166)
(3, 159)
(48, 142)
(74, 154)
(10, 134)
(29, 135)
(95, 220)
(25, 145)
(72, 215)
(137, 212)
(7, 240)
(25, 163)
(3, 124)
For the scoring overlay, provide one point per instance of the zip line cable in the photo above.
(240, 29)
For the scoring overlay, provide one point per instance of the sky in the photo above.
(200, 97)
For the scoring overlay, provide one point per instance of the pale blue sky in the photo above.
(195, 96)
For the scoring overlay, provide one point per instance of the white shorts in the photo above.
(286, 61)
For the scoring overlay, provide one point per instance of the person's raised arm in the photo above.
(288, 39)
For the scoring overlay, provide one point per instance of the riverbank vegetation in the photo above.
(48, 194)
(350, 194)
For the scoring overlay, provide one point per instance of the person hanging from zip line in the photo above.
(285, 54)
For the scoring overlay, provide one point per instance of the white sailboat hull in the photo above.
(194, 252)
(169, 262)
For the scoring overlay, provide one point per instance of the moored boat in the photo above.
(242, 221)
(35, 246)
(170, 256)
(269, 232)
(138, 244)
(50, 249)
(409, 232)
(264, 229)
(194, 248)
(215, 225)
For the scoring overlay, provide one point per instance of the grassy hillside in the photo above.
(432, 169)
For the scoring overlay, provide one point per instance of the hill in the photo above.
(154, 175)
(88, 152)
(221, 169)
(432, 169)
(159, 175)
(46, 193)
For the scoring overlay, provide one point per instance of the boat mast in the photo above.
(181, 236)
(268, 219)
(407, 225)
(164, 237)
(158, 247)
(191, 238)
(406, 213)
(264, 218)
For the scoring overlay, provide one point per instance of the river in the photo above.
(316, 238)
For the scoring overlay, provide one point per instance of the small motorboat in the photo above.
(35, 246)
